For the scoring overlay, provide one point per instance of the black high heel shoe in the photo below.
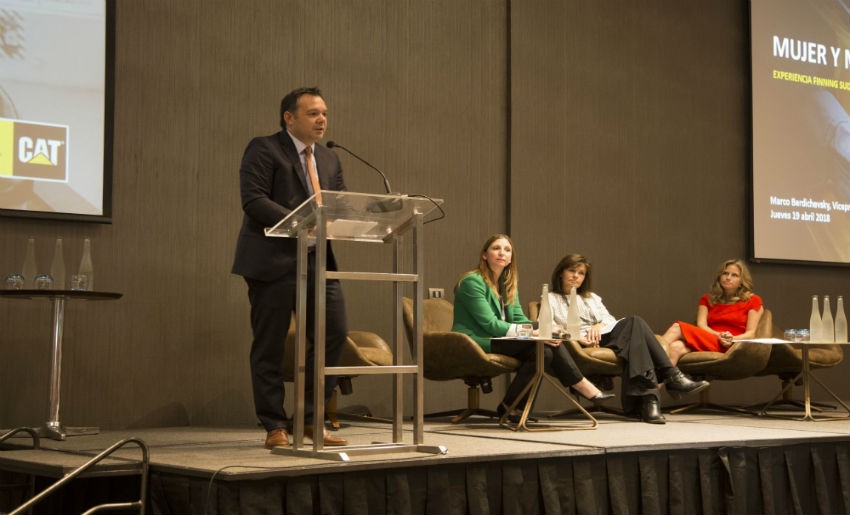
(513, 417)
(502, 409)
(600, 397)
(596, 399)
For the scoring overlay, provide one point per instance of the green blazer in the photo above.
(477, 311)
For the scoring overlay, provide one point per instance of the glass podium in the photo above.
(366, 218)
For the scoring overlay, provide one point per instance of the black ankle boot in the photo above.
(679, 384)
(650, 411)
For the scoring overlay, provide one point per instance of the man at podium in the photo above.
(277, 174)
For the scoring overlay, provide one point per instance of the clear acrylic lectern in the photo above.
(366, 218)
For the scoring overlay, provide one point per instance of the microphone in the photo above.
(382, 206)
(332, 144)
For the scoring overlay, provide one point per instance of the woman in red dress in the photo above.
(730, 312)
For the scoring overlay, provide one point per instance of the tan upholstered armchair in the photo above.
(361, 349)
(786, 362)
(741, 360)
(448, 355)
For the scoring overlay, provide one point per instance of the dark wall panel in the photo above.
(405, 83)
(630, 144)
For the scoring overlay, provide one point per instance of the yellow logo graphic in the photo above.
(36, 151)
(41, 159)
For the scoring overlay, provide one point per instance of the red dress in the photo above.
(721, 317)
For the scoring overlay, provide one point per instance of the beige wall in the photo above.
(644, 109)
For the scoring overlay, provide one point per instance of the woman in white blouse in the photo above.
(645, 363)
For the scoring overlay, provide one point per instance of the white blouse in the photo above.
(591, 312)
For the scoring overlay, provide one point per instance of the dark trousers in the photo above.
(645, 363)
(272, 305)
(557, 360)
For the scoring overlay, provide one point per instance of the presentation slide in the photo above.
(52, 90)
(801, 130)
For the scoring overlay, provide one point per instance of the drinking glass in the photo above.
(803, 335)
(525, 330)
(43, 282)
(14, 282)
(790, 335)
(79, 282)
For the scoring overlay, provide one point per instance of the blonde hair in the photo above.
(509, 278)
(718, 295)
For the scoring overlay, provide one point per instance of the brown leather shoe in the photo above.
(329, 439)
(277, 437)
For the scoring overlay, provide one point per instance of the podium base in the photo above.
(345, 453)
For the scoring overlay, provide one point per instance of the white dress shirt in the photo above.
(591, 312)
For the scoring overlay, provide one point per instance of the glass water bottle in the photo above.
(544, 318)
(827, 326)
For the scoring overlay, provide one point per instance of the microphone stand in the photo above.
(377, 206)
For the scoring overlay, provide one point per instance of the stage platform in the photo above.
(696, 463)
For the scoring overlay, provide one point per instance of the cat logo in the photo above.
(39, 152)
(36, 151)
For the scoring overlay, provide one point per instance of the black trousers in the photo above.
(557, 360)
(272, 305)
(645, 363)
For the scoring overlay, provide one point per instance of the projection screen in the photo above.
(55, 109)
(801, 131)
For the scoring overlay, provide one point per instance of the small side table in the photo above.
(53, 428)
(533, 388)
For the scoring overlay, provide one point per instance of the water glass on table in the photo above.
(14, 282)
(79, 282)
(43, 282)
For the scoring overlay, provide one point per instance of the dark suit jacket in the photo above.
(272, 184)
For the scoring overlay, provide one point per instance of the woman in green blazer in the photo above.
(487, 306)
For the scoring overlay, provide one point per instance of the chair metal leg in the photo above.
(596, 408)
(361, 413)
(705, 404)
(473, 397)
(806, 377)
(333, 413)
(789, 401)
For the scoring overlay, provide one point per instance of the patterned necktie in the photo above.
(311, 171)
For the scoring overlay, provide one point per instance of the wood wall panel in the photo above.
(630, 143)
(634, 114)
(417, 88)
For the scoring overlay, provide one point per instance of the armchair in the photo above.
(741, 360)
(361, 349)
(449, 355)
(786, 362)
